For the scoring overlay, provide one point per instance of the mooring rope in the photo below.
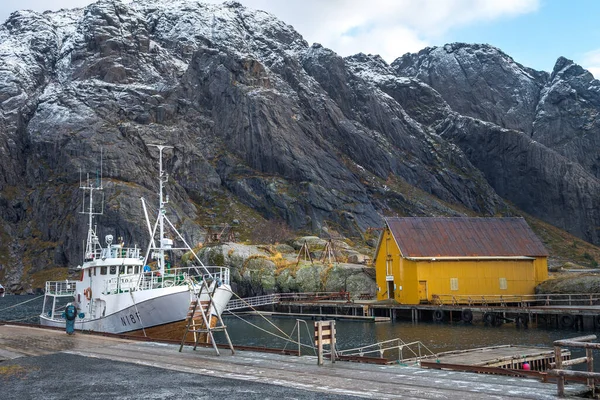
(23, 319)
(261, 315)
(287, 338)
(18, 304)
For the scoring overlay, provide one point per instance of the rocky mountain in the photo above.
(535, 136)
(266, 127)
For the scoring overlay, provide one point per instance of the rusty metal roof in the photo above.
(465, 237)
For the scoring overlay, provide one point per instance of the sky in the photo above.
(533, 32)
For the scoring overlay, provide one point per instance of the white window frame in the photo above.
(503, 284)
(453, 284)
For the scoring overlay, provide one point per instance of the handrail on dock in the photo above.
(527, 300)
(275, 298)
(581, 342)
(391, 345)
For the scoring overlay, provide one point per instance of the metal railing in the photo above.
(248, 302)
(532, 300)
(315, 296)
(172, 277)
(120, 252)
(251, 302)
(60, 288)
(416, 350)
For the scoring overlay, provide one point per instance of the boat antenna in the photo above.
(163, 178)
(165, 243)
(92, 247)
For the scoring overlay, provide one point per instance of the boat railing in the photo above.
(172, 277)
(60, 288)
(120, 252)
(220, 274)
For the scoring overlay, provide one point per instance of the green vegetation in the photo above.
(563, 247)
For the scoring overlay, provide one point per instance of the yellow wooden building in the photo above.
(417, 258)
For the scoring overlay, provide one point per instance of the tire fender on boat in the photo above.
(88, 293)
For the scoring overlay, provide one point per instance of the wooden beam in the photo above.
(568, 363)
(581, 345)
(587, 338)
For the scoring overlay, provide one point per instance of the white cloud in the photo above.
(591, 62)
(386, 27)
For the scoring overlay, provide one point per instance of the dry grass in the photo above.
(38, 279)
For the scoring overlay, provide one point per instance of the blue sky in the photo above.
(536, 39)
(534, 32)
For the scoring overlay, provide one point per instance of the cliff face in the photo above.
(534, 135)
(261, 121)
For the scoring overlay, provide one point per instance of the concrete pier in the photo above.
(41, 363)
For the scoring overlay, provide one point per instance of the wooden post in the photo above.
(560, 386)
(325, 334)
(332, 345)
(299, 346)
(589, 353)
(320, 342)
(558, 358)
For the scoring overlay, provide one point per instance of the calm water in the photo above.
(350, 334)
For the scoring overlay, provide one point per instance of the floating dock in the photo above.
(49, 363)
(507, 357)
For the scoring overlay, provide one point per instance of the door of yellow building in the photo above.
(423, 292)
(390, 289)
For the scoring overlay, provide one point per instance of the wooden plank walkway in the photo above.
(341, 378)
(508, 356)
(362, 318)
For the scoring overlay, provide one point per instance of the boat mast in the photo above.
(92, 242)
(162, 202)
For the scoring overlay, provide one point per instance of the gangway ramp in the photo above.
(253, 302)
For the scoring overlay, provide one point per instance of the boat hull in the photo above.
(153, 317)
(153, 311)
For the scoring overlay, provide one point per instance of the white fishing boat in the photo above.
(119, 291)
(2, 291)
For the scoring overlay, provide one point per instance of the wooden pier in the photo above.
(50, 363)
(508, 357)
(342, 317)
(578, 311)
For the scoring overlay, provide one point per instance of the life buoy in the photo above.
(567, 320)
(438, 315)
(466, 315)
(489, 318)
(88, 293)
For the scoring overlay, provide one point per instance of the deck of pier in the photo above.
(51, 364)
(507, 356)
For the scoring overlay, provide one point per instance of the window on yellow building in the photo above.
(453, 283)
(503, 284)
